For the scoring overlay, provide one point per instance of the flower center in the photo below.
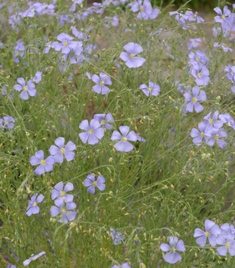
(207, 234)
(101, 83)
(141, 8)
(62, 150)
(197, 59)
(216, 137)
(211, 121)
(227, 245)
(66, 44)
(103, 122)
(194, 99)
(25, 88)
(149, 89)
(91, 131)
(132, 56)
(173, 249)
(63, 210)
(124, 139)
(199, 75)
(223, 17)
(94, 183)
(35, 204)
(202, 134)
(42, 162)
(63, 193)
(5, 123)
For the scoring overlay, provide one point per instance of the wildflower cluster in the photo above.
(64, 205)
(58, 153)
(211, 130)
(223, 237)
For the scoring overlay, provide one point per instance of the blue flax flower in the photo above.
(227, 245)
(101, 80)
(26, 89)
(213, 120)
(198, 59)
(172, 256)
(91, 183)
(192, 101)
(194, 42)
(117, 236)
(211, 232)
(228, 120)
(7, 122)
(19, 51)
(126, 135)
(60, 192)
(93, 132)
(202, 133)
(61, 150)
(33, 207)
(105, 120)
(64, 210)
(130, 56)
(44, 165)
(145, 9)
(216, 136)
(226, 240)
(152, 89)
(201, 75)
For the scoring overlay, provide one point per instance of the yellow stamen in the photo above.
(207, 234)
(132, 56)
(94, 183)
(124, 139)
(103, 122)
(35, 204)
(91, 131)
(42, 162)
(25, 88)
(62, 150)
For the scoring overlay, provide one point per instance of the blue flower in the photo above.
(172, 256)
(117, 237)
